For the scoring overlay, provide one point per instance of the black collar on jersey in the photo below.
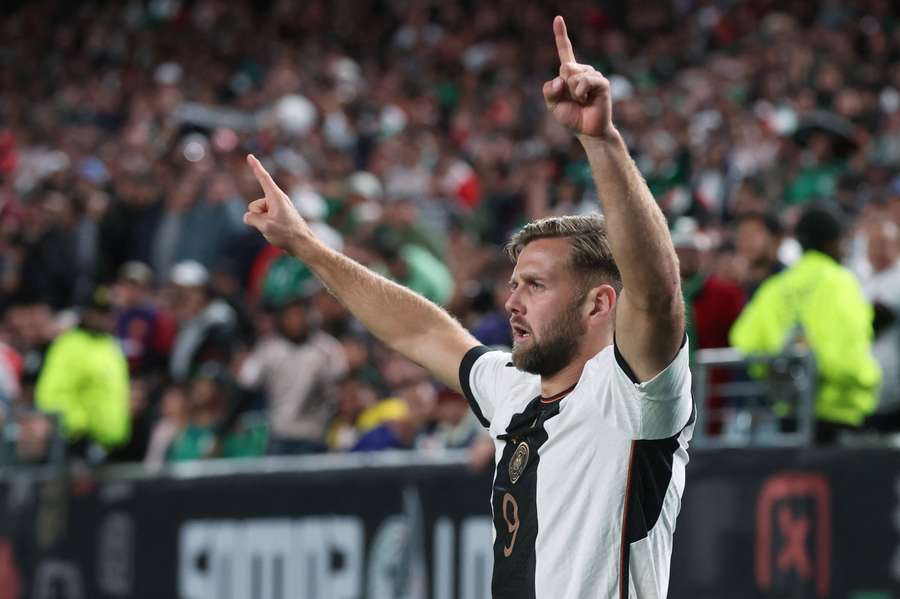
(530, 420)
(558, 396)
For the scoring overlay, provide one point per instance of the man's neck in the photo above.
(568, 377)
(562, 380)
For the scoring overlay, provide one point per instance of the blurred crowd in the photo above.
(413, 136)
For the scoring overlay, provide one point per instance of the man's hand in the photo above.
(579, 98)
(275, 216)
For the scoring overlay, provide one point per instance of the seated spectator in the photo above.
(493, 328)
(145, 332)
(213, 429)
(141, 415)
(85, 381)
(207, 326)
(420, 398)
(819, 303)
(455, 424)
(359, 410)
(173, 419)
(30, 328)
(297, 368)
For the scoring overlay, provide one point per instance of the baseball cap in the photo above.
(365, 184)
(687, 234)
(136, 272)
(189, 273)
(100, 300)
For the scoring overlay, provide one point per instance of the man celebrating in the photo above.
(591, 413)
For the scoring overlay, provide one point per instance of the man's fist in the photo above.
(579, 98)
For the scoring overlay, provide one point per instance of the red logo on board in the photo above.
(793, 533)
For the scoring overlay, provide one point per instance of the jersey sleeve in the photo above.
(482, 373)
(653, 409)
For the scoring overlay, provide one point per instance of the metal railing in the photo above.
(754, 401)
(742, 401)
(31, 438)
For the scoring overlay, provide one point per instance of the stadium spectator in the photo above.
(173, 419)
(820, 304)
(84, 381)
(214, 428)
(31, 329)
(492, 328)
(455, 425)
(758, 239)
(49, 265)
(415, 267)
(141, 420)
(298, 369)
(882, 288)
(129, 226)
(144, 331)
(207, 326)
(420, 398)
(359, 411)
(712, 303)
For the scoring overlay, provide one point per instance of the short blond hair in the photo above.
(591, 257)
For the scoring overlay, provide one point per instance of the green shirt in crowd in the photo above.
(197, 442)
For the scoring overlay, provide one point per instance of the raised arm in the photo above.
(650, 311)
(403, 320)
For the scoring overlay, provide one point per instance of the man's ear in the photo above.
(603, 300)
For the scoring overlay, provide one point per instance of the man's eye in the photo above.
(535, 285)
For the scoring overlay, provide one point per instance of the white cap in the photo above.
(189, 273)
(365, 184)
(295, 114)
(686, 234)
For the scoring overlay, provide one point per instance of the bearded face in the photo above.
(549, 350)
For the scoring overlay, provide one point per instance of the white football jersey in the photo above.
(588, 484)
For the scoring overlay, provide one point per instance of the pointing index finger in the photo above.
(262, 175)
(563, 44)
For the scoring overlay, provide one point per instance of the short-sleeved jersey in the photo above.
(587, 486)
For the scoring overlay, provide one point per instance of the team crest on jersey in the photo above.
(518, 462)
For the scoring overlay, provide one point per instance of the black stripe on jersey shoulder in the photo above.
(651, 473)
(623, 364)
(649, 479)
(465, 369)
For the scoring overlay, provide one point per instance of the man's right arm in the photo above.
(403, 320)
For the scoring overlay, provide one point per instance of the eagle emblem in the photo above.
(518, 462)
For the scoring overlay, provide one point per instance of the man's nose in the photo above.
(512, 304)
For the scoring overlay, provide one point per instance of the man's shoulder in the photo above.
(497, 364)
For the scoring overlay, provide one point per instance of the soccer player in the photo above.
(591, 412)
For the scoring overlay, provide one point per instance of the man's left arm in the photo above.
(650, 310)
